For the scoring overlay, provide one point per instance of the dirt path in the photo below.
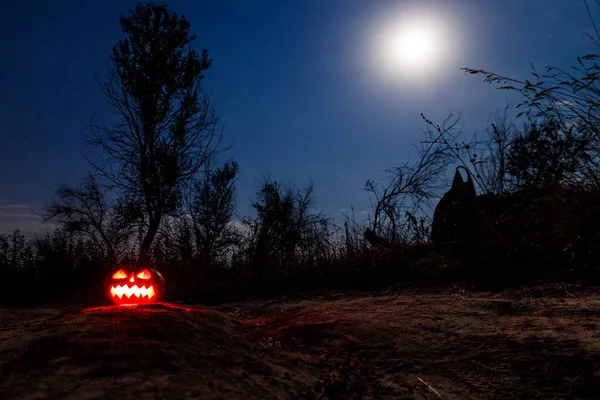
(411, 345)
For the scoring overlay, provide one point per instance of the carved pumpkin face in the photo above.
(134, 285)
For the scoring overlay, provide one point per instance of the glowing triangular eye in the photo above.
(145, 274)
(120, 274)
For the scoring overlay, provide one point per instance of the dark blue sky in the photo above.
(296, 82)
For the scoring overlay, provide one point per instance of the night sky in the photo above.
(303, 87)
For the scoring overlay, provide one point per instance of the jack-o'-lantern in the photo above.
(129, 285)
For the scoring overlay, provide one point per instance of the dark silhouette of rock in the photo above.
(375, 239)
(455, 214)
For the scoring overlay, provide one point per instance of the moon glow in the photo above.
(413, 44)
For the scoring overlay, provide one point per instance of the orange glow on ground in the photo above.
(154, 307)
(139, 292)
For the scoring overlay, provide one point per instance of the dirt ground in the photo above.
(455, 344)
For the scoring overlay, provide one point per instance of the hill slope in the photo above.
(406, 345)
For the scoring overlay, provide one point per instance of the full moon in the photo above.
(414, 44)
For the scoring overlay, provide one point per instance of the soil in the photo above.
(453, 344)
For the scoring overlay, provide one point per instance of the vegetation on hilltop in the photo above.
(156, 194)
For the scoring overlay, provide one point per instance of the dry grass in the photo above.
(533, 343)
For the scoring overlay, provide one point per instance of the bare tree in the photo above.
(175, 241)
(164, 129)
(410, 187)
(86, 210)
(489, 160)
(353, 232)
(286, 229)
(212, 206)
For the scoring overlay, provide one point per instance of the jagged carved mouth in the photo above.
(135, 291)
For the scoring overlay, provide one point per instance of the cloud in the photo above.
(23, 217)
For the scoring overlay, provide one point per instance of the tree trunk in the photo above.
(144, 256)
